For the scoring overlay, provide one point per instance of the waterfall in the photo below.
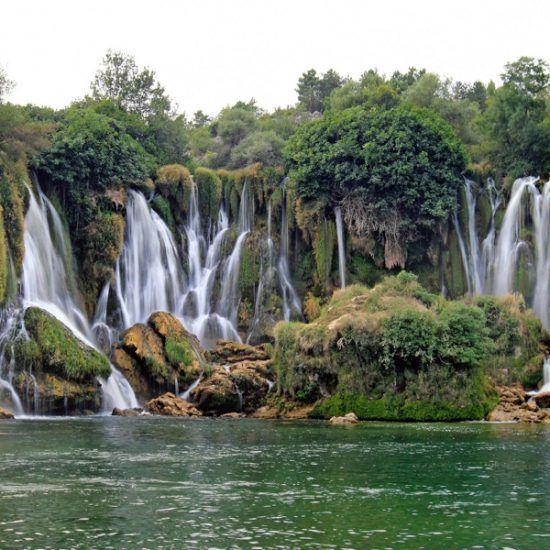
(546, 375)
(12, 329)
(541, 301)
(509, 241)
(488, 244)
(474, 256)
(290, 297)
(463, 252)
(47, 283)
(341, 249)
(196, 308)
(493, 268)
(149, 276)
(228, 305)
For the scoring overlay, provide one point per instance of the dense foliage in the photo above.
(398, 352)
(395, 172)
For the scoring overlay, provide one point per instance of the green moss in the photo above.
(324, 251)
(209, 187)
(4, 260)
(178, 352)
(60, 352)
(103, 245)
(162, 208)
(249, 270)
(174, 183)
(12, 179)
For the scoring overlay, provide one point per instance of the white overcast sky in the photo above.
(210, 53)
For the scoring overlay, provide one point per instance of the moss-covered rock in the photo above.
(396, 351)
(52, 348)
(57, 373)
(209, 187)
(175, 184)
(158, 355)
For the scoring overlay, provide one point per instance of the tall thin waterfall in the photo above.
(46, 283)
(149, 276)
(291, 302)
(229, 301)
(341, 248)
(541, 301)
(463, 252)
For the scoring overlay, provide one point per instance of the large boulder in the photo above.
(158, 356)
(64, 369)
(169, 404)
(347, 419)
(217, 394)
(5, 414)
(543, 400)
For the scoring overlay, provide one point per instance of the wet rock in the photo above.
(5, 414)
(217, 394)
(515, 405)
(126, 412)
(542, 400)
(234, 415)
(298, 413)
(158, 356)
(169, 404)
(233, 352)
(349, 418)
(250, 378)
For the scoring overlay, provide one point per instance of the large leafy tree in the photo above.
(395, 172)
(517, 119)
(134, 90)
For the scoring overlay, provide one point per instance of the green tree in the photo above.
(262, 146)
(517, 120)
(133, 89)
(395, 172)
(313, 90)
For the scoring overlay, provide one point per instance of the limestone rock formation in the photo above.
(158, 356)
(517, 405)
(64, 369)
(169, 404)
(350, 418)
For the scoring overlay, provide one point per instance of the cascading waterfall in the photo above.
(47, 283)
(541, 301)
(341, 249)
(492, 270)
(149, 276)
(196, 305)
(509, 242)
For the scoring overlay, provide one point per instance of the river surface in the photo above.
(221, 483)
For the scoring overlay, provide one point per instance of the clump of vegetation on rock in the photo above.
(396, 351)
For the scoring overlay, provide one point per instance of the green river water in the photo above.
(220, 483)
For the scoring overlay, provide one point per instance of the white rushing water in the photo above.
(47, 283)
(492, 270)
(341, 248)
(291, 302)
(149, 276)
(204, 260)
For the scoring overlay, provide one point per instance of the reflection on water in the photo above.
(154, 483)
